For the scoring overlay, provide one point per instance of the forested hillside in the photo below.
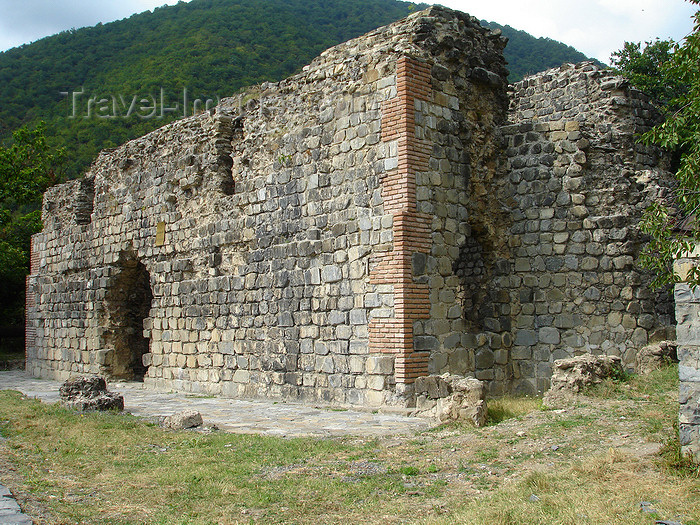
(208, 48)
(527, 55)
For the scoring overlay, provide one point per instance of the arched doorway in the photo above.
(127, 304)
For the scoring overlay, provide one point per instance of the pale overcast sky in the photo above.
(594, 27)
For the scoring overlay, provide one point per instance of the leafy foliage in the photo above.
(649, 69)
(527, 55)
(673, 229)
(27, 167)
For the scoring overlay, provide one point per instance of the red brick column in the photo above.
(411, 230)
(30, 299)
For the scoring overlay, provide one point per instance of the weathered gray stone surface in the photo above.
(572, 376)
(688, 338)
(230, 253)
(577, 184)
(10, 512)
(183, 420)
(451, 398)
(89, 393)
(245, 416)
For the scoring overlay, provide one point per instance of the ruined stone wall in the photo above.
(377, 218)
(548, 267)
(575, 185)
(297, 242)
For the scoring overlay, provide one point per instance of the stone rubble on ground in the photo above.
(89, 393)
(451, 398)
(572, 376)
(183, 420)
(655, 356)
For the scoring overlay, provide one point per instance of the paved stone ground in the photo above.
(10, 513)
(236, 415)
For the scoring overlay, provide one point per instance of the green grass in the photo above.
(409, 471)
(487, 455)
(674, 462)
(510, 407)
(116, 469)
(602, 489)
(656, 394)
(656, 384)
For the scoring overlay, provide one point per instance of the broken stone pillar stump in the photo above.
(451, 398)
(89, 393)
(572, 376)
(655, 356)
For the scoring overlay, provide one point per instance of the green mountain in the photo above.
(527, 55)
(96, 87)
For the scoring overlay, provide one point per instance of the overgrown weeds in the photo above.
(674, 461)
(633, 386)
(510, 407)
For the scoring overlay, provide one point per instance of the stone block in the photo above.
(375, 382)
(549, 335)
(85, 393)
(325, 364)
(358, 317)
(241, 376)
(525, 337)
(183, 420)
(379, 365)
(356, 364)
(426, 343)
(484, 358)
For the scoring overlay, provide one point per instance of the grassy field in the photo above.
(596, 462)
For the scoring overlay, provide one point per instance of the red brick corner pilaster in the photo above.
(30, 299)
(411, 230)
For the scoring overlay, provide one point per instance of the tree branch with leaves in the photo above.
(27, 168)
(673, 229)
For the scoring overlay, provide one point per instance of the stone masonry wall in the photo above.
(577, 184)
(290, 243)
(377, 218)
(688, 338)
(548, 269)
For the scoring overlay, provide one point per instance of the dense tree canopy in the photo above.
(527, 55)
(27, 167)
(649, 69)
(673, 228)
